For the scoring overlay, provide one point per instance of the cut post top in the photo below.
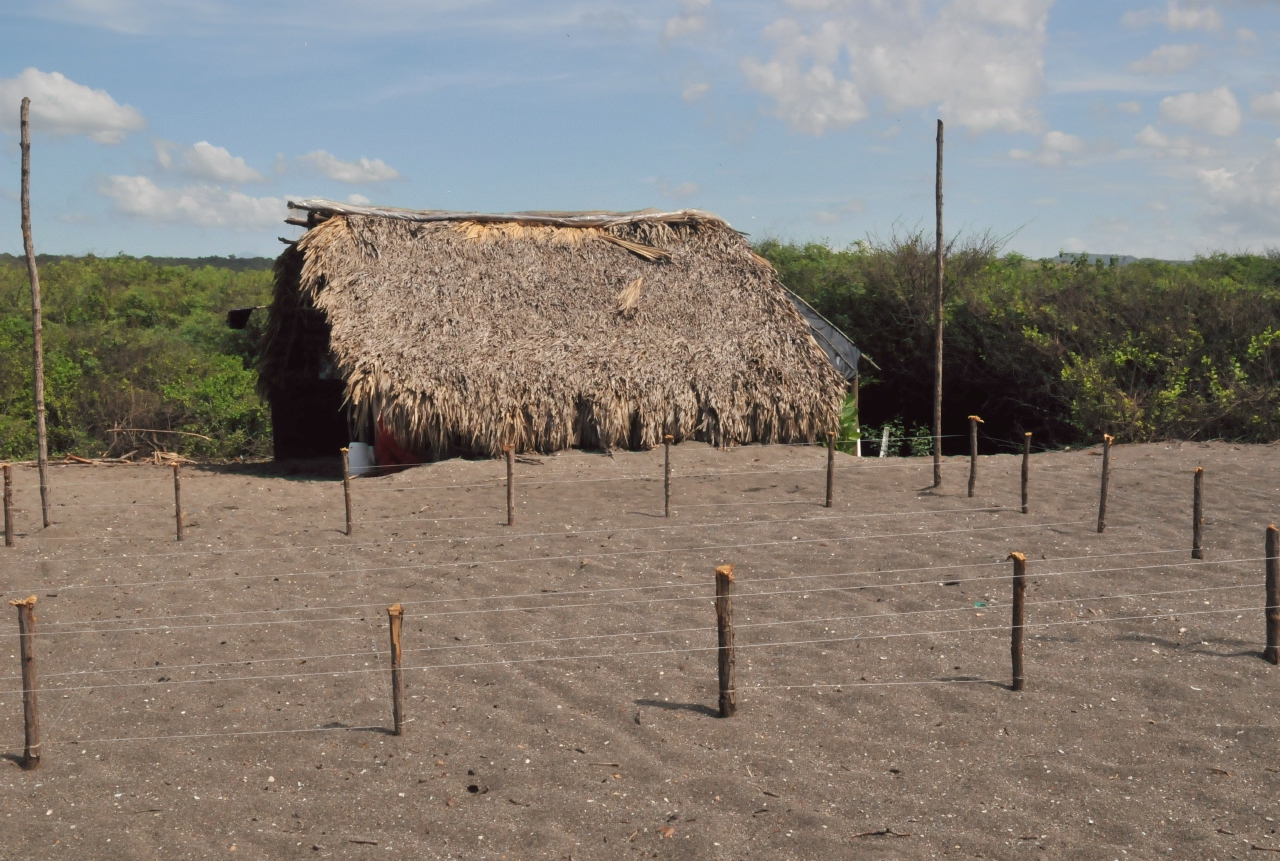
(31, 602)
(1017, 557)
(976, 419)
(721, 571)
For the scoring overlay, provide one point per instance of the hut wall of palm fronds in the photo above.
(460, 333)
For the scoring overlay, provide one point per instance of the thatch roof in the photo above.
(464, 331)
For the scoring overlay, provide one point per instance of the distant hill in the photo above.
(232, 263)
(1111, 259)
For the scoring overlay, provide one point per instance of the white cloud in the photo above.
(354, 172)
(980, 61)
(840, 213)
(1166, 60)
(1130, 107)
(60, 106)
(358, 199)
(1180, 148)
(1216, 111)
(1053, 151)
(206, 161)
(695, 91)
(690, 23)
(199, 205)
(1245, 199)
(1195, 15)
(678, 192)
(1266, 106)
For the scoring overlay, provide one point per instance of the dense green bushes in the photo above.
(131, 344)
(1068, 351)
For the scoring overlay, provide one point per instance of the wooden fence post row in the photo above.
(666, 476)
(1197, 515)
(1019, 619)
(1107, 439)
(395, 617)
(1026, 467)
(831, 465)
(511, 484)
(346, 485)
(30, 714)
(177, 501)
(724, 630)
(1272, 652)
(8, 505)
(974, 421)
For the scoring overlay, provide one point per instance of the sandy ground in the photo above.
(562, 688)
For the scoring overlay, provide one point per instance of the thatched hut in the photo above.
(457, 333)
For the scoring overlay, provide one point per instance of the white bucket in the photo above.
(360, 459)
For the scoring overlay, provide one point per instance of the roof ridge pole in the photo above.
(937, 319)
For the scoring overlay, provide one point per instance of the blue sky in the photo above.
(181, 127)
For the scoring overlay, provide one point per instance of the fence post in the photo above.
(30, 716)
(831, 465)
(346, 485)
(1107, 439)
(1272, 653)
(511, 484)
(177, 500)
(884, 443)
(8, 505)
(395, 616)
(1197, 515)
(724, 627)
(1026, 467)
(974, 421)
(666, 476)
(1019, 619)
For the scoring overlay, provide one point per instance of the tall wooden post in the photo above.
(666, 476)
(974, 421)
(8, 505)
(831, 465)
(1026, 467)
(1272, 653)
(1107, 439)
(724, 628)
(395, 616)
(1197, 515)
(1019, 618)
(857, 418)
(30, 714)
(346, 485)
(179, 522)
(937, 320)
(37, 323)
(511, 484)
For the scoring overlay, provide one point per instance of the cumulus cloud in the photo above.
(354, 172)
(198, 205)
(1244, 200)
(1166, 60)
(695, 91)
(1177, 16)
(1180, 147)
(1266, 106)
(841, 212)
(678, 192)
(1216, 111)
(61, 107)
(1053, 151)
(206, 161)
(691, 21)
(980, 61)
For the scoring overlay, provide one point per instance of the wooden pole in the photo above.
(884, 443)
(937, 320)
(1019, 619)
(724, 627)
(37, 324)
(8, 505)
(511, 484)
(1272, 653)
(177, 500)
(30, 714)
(1197, 515)
(395, 616)
(346, 485)
(1107, 439)
(857, 419)
(831, 465)
(666, 476)
(974, 421)
(1026, 467)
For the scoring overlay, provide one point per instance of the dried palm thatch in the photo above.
(464, 332)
